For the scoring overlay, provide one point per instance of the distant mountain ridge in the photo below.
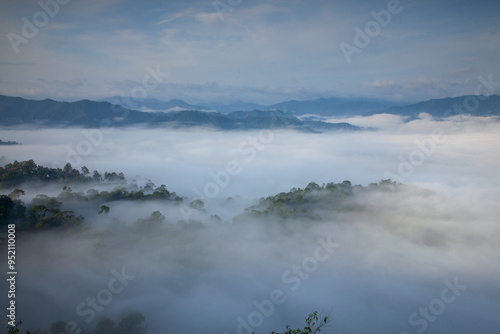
(469, 104)
(154, 104)
(237, 106)
(333, 106)
(16, 111)
(341, 107)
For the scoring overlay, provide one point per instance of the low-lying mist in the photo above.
(419, 258)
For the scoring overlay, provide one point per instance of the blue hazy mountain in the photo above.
(151, 104)
(469, 104)
(333, 106)
(17, 111)
(237, 106)
(268, 119)
(85, 113)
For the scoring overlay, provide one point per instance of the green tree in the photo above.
(42, 217)
(105, 326)
(96, 176)
(6, 208)
(151, 223)
(149, 186)
(11, 211)
(58, 327)
(161, 193)
(50, 202)
(313, 186)
(197, 204)
(15, 194)
(132, 322)
(14, 329)
(69, 173)
(314, 325)
(104, 209)
(85, 171)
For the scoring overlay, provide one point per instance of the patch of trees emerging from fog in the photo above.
(307, 203)
(9, 142)
(28, 171)
(45, 212)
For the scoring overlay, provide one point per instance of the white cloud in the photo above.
(169, 18)
(381, 83)
(208, 18)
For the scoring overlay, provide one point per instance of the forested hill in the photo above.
(16, 111)
(70, 208)
(65, 210)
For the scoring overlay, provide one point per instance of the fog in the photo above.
(421, 259)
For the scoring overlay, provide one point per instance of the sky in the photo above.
(252, 51)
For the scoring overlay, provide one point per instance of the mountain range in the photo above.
(16, 111)
(333, 106)
(476, 105)
(336, 107)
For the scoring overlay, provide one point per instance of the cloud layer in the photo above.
(393, 257)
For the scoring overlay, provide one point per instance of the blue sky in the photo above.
(256, 51)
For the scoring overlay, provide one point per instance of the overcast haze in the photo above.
(376, 258)
(95, 49)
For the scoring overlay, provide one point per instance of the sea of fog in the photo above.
(422, 260)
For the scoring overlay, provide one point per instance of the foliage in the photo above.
(28, 171)
(104, 209)
(9, 142)
(10, 210)
(14, 329)
(42, 217)
(313, 325)
(45, 212)
(197, 204)
(155, 220)
(306, 203)
(131, 322)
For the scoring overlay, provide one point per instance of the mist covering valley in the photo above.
(370, 253)
(238, 167)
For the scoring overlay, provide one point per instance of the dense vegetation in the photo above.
(61, 211)
(45, 212)
(9, 142)
(313, 199)
(130, 322)
(28, 171)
